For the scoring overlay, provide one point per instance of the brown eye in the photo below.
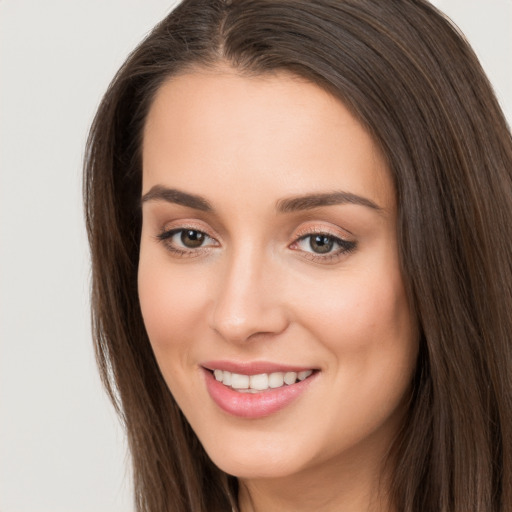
(321, 244)
(323, 247)
(192, 238)
(186, 241)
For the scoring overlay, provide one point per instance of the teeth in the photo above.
(226, 378)
(260, 382)
(290, 378)
(239, 381)
(276, 380)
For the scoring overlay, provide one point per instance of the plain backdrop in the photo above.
(61, 447)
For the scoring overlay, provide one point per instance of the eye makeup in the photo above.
(315, 244)
(186, 241)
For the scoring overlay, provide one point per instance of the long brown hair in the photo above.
(410, 77)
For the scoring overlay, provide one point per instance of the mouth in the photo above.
(250, 392)
(261, 382)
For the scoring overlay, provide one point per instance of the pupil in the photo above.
(191, 238)
(321, 243)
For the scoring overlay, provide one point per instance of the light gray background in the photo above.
(61, 448)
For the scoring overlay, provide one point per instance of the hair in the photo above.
(412, 80)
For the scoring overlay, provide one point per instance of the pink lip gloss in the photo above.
(253, 405)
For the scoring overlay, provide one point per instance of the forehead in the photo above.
(276, 132)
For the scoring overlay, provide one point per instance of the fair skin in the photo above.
(245, 280)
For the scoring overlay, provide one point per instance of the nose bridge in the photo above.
(247, 299)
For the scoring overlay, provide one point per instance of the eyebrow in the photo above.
(172, 195)
(288, 205)
(311, 201)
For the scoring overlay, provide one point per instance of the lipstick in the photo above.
(257, 389)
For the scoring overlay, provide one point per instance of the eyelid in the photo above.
(323, 229)
(182, 224)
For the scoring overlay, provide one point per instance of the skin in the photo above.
(256, 290)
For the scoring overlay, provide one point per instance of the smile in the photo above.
(261, 382)
(250, 392)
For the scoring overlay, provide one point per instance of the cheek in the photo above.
(371, 339)
(365, 323)
(357, 310)
(171, 302)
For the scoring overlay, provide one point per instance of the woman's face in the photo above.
(269, 255)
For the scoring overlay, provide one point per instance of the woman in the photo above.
(300, 217)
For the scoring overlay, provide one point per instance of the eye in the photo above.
(186, 241)
(323, 246)
(191, 238)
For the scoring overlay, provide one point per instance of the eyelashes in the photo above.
(318, 246)
(187, 241)
(315, 245)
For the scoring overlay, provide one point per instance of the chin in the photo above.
(258, 460)
(255, 468)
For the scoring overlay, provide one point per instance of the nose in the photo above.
(248, 302)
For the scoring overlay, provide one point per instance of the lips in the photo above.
(255, 390)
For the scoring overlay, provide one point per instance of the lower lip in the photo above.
(254, 405)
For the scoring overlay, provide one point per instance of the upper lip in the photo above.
(253, 367)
